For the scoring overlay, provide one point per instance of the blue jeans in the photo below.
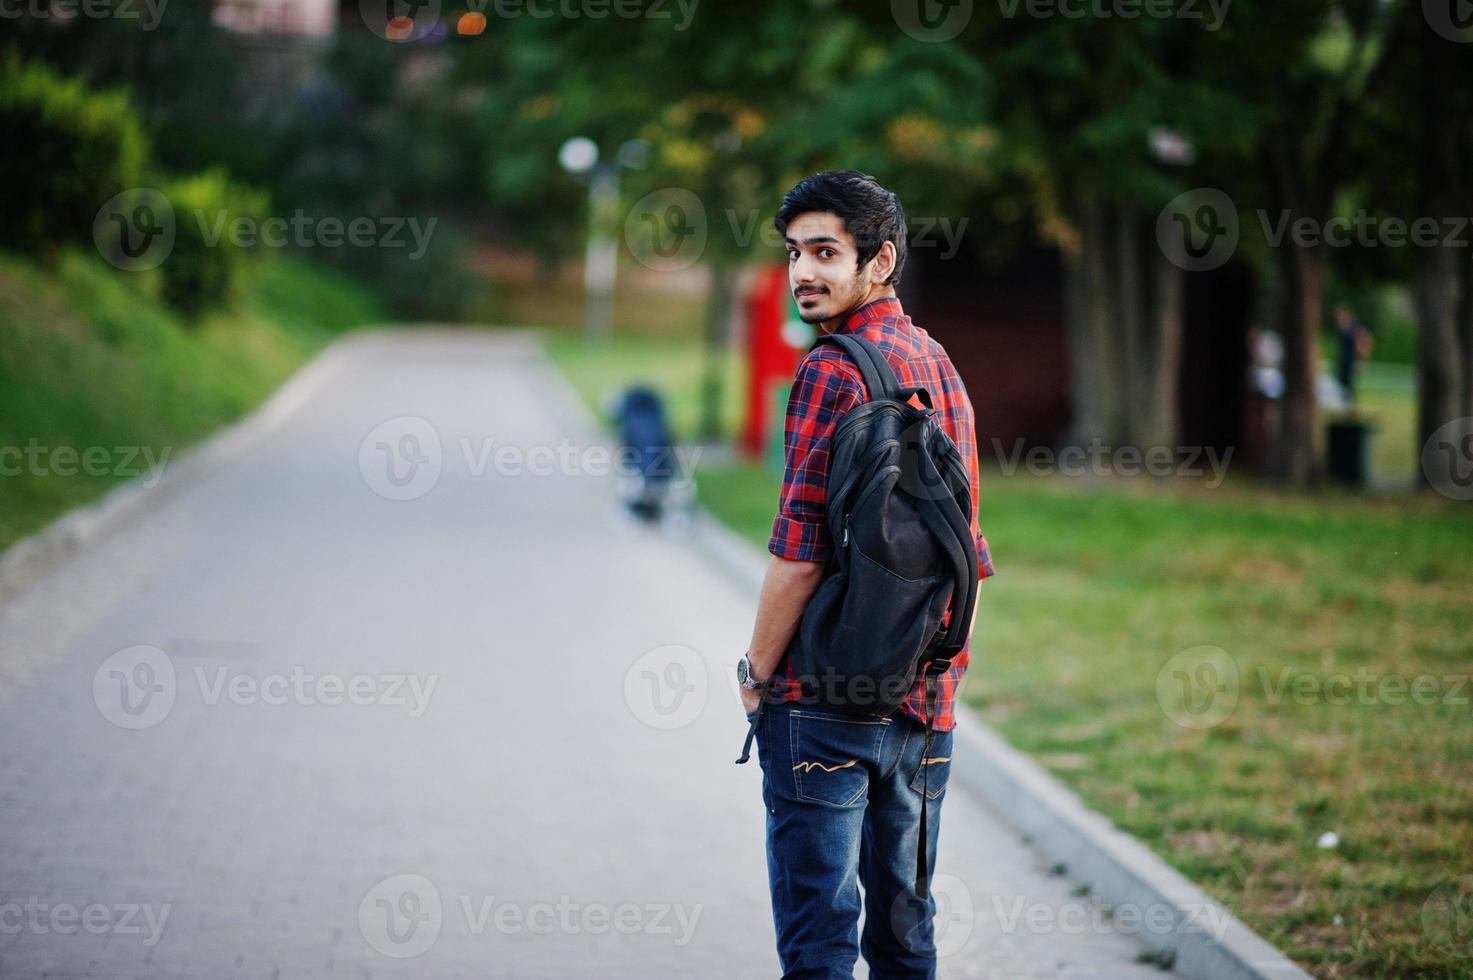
(843, 801)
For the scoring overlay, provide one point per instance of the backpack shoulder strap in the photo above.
(879, 378)
(953, 532)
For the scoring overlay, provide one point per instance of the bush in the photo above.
(81, 148)
(209, 264)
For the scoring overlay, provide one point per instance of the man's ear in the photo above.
(883, 264)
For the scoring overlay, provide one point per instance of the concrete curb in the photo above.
(32, 557)
(1203, 941)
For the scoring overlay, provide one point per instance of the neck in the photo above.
(875, 293)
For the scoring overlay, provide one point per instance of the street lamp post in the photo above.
(580, 156)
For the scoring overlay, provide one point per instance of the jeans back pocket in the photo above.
(935, 767)
(832, 756)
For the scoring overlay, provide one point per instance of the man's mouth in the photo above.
(807, 293)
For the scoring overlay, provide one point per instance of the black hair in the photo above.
(870, 213)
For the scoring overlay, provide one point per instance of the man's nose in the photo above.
(801, 273)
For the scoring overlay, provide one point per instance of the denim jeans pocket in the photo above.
(832, 756)
(935, 767)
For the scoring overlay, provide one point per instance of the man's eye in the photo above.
(792, 255)
(827, 253)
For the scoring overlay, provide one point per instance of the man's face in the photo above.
(821, 267)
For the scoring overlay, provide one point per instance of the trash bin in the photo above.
(1348, 447)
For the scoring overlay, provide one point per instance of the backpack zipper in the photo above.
(874, 484)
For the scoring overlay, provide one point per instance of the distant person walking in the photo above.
(1353, 342)
(844, 793)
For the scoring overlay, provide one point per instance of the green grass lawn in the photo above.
(1314, 599)
(1386, 394)
(90, 360)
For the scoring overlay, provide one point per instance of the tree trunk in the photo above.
(1123, 323)
(1465, 337)
(1441, 386)
(1302, 271)
(1443, 370)
(1093, 351)
(1159, 419)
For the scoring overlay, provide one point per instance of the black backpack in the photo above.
(899, 509)
(899, 506)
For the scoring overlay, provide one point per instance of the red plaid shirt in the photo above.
(827, 386)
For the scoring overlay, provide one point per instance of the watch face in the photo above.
(744, 671)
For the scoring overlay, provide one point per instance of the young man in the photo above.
(843, 796)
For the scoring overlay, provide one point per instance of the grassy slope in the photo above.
(1100, 584)
(89, 358)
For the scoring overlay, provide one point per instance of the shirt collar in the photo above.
(875, 311)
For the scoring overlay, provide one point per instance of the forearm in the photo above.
(786, 589)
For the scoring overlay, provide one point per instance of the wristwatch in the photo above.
(745, 678)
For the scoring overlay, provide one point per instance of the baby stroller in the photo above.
(655, 489)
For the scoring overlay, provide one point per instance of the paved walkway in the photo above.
(300, 721)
